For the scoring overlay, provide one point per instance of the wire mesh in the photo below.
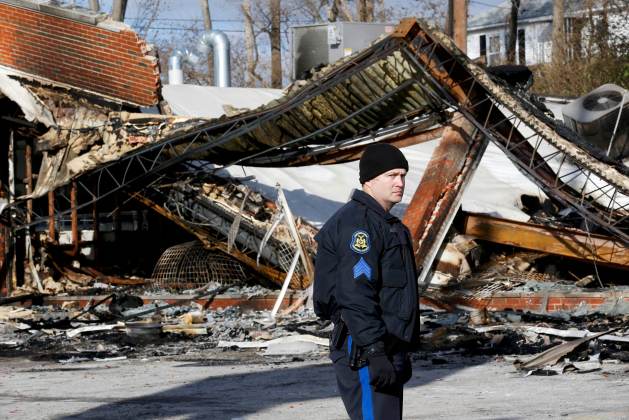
(190, 265)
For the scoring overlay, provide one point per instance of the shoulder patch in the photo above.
(360, 242)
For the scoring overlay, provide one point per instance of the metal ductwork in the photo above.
(219, 43)
(175, 65)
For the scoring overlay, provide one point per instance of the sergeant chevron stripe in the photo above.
(362, 267)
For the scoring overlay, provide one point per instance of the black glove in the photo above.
(381, 371)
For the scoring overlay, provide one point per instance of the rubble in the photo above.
(226, 247)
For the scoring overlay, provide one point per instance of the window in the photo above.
(494, 50)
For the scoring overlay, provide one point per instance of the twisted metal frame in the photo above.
(147, 164)
(556, 170)
(446, 77)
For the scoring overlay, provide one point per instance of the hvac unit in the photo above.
(599, 116)
(322, 44)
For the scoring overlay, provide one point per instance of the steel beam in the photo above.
(439, 193)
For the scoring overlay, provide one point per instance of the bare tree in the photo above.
(365, 10)
(146, 15)
(251, 47)
(512, 31)
(313, 10)
(596, 50)
(118, 10)
(276, 44)
(207, 24)
(339, 8)
(558, 39)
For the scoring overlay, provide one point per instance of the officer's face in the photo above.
(387, 188)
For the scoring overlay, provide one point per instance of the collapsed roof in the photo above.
(404, 84)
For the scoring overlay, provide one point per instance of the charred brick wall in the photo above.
(107, 58)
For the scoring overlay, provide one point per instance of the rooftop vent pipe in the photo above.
(175, 65)
(219, 43)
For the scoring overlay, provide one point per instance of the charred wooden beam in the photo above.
(566, 242)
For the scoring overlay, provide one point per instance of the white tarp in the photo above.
(205, 101)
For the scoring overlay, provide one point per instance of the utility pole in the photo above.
(118, 10)
(459, 23)
(449, 16)
(207, 24)
(512, 36)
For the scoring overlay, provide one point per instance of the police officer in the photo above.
(366, 283)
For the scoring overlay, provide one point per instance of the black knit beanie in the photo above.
(379, 158)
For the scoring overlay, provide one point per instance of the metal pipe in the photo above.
(215, 40)
(175, 65)
(219, 43)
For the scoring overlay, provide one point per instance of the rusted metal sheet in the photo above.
(571, 243)
(434, 203)
(444, 166)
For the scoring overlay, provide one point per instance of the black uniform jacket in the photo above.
(365, 271)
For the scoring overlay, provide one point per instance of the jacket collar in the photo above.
(371, 203)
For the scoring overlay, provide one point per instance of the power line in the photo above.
(495, 6)
(172, 28)
(213, 20)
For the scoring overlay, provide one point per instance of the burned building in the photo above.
(100, 165)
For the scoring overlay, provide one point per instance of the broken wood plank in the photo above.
(572, 243)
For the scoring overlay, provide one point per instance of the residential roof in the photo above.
(529, 10)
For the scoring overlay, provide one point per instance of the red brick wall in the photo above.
(86, 56)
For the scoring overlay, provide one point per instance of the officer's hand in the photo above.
(381, 371)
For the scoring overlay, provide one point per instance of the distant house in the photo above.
(487, 33)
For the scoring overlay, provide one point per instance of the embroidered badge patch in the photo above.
(362, 267)
(360, 242)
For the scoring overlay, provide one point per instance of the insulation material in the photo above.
(86, 135)
(30, 105)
